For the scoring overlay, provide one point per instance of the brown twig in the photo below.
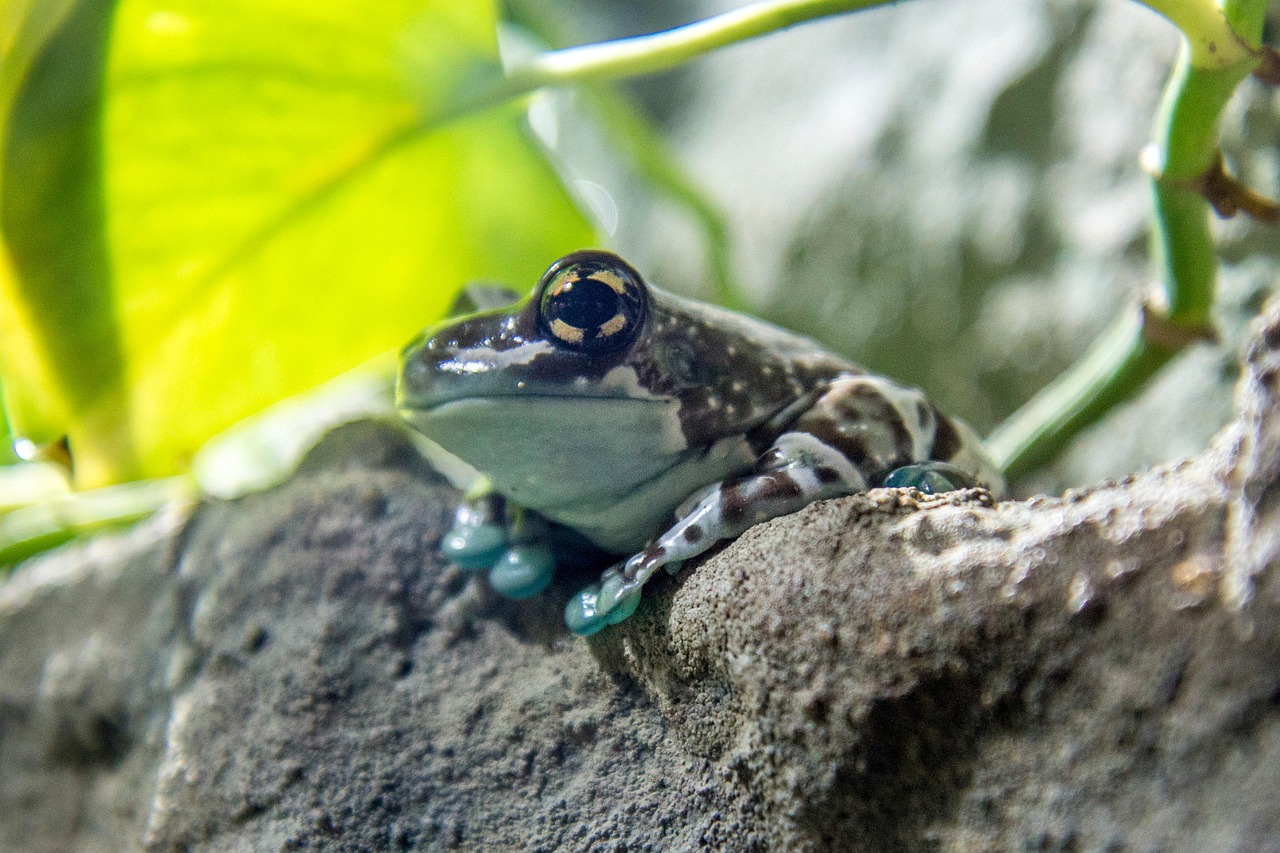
(1229, 196)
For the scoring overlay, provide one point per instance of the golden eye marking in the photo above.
(606, 277)
(565, 332)
(612, 279)
(613, 325)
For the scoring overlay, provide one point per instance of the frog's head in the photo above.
(592, 384)
(580, 321)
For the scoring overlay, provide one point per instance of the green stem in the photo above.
(647, 54)
(1186, 148)
(1211, 40)
(1246, 17)
(652, 157)
(1120, 361)
(1182, 250)
(40, 526)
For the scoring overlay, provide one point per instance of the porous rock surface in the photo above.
(297, 670)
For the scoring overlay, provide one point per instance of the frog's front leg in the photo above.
(510, 543)
(857, 432)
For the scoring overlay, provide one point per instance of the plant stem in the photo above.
(1182, 249)
(652, 157)
(1118, 362)
(647, 54)
(1211, 40)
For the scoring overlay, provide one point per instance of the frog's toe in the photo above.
(599, 606)
(929, 477)
(522, 571)
(474, 546)
(616, 600)
(623, 609)
(581, 615)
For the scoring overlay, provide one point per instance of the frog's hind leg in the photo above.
(798, 469)
(895, 437)
(851, 438)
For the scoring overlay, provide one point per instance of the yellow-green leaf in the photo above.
(208, 206)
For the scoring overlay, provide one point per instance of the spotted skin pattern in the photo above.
(662, 425)
(858, 431)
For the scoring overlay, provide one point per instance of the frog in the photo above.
(651, 426)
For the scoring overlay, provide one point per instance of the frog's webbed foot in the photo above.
(930, 478)
(508, 543)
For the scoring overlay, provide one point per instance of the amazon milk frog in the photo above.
(654, 426)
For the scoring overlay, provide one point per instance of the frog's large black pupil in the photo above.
(584, 304)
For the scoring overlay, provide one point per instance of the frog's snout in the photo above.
(419, 370)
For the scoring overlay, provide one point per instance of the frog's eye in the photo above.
(591, 302)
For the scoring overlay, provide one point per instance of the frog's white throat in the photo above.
(545, 452)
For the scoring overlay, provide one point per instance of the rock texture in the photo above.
(296, 670)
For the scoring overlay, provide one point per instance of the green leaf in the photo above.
(49, 92)
(7, 454)
(209, 206)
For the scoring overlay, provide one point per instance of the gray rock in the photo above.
(86, 638)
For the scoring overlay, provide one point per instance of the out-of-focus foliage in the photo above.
(206, 207)
(7, 455)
